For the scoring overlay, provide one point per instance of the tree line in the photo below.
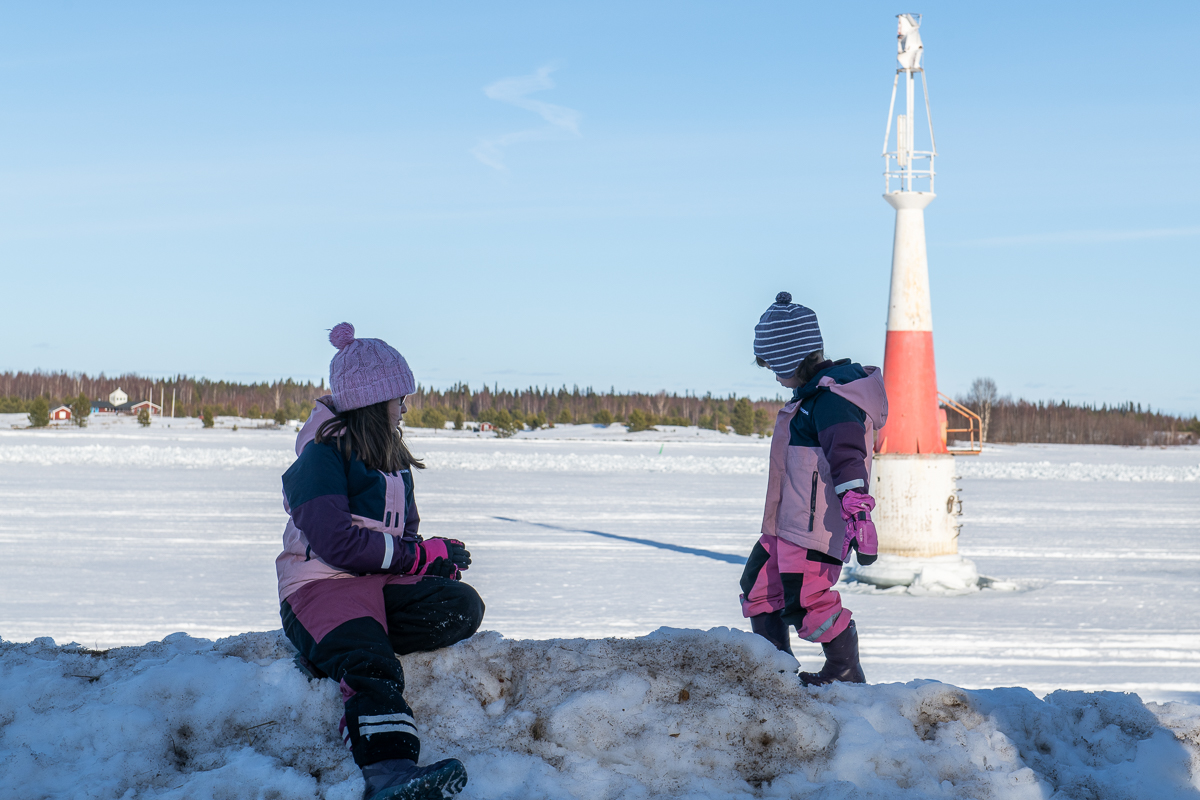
(538, 406)
(505, 409)
(1004, 419)
(1014, 421)
(192, 396)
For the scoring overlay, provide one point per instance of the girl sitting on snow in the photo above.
(818, 503)
(357, 584)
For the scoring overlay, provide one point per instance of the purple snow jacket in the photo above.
(344, 520)
(802, 505)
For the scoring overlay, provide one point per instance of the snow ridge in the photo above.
(227, 458)
(1076, 471)
(98, 455)
(677, 713)
(598, 462)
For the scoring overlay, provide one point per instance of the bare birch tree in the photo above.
(983, 396)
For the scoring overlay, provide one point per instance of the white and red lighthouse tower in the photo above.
(913, 474)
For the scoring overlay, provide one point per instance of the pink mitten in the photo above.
(442, 557)
(860, 530)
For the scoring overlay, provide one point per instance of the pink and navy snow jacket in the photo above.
(344, 519)
(822, 448)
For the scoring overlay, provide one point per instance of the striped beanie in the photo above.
(785, 334)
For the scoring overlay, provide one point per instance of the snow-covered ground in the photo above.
(674, 714)
(117, 535)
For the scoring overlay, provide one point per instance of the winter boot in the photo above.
(309, 669)
(401, 779)
(771, 627)
(841, 661)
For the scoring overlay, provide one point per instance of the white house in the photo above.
(119, 403)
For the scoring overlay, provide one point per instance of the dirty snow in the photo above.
(677, 713)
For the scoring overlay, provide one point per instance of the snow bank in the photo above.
(597, 462)
(714, 714)
(558, 450)
(1076, 471)
(282, 457)
(99, 455)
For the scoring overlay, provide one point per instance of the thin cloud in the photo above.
(1079, 237)
(561, 121)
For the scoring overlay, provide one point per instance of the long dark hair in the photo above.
(808, 368)
(366, 431)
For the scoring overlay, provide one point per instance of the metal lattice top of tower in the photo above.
(905, 164)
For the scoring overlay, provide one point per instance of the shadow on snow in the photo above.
(695, 551)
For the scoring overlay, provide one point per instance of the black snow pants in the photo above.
(361, 656)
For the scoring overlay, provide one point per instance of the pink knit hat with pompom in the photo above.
(366, 371)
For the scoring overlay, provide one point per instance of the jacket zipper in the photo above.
(812, 503)
(396, 495)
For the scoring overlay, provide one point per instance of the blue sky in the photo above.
(603, 194)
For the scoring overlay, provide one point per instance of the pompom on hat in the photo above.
(785, 334)
(366, 371)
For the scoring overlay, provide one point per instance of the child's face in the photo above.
(396, 409)
(787, 383)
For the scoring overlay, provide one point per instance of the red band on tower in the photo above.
(911, 383)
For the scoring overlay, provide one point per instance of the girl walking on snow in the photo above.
(818, 505)
(357, 583)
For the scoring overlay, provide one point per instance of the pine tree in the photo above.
(458, 420)
(743, 417)
(144, 418)
(564, 416)
(640, 421)
(81, 408)
(502, 422)
(39, 413)
(207, 417)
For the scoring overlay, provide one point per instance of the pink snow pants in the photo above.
(781, 576)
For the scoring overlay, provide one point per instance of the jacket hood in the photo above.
(862, 386)
(867, 393)
(321, 413)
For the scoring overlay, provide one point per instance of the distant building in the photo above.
(133, 408)
(61, 412)
(119, 403)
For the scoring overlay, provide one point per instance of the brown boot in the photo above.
(841, 661)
